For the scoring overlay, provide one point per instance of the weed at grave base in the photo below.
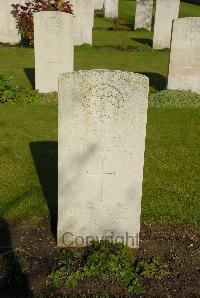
(9, 93)
(14, 265)
(109, 261)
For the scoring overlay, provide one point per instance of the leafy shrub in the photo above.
(145, 48)
(141, 30)
(24, 14)
(192, 1)
(174, 98)
(14, 265)
(119, 25)
(9, 93)
(124, 43)
(109, 261)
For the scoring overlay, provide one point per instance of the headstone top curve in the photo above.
(119, 73)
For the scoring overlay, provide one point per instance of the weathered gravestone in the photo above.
(84, 20)
(111, 8)
(98, 4)
(9, 32)
(184, 67)
(166, 12)
(54, 48)
(143, 14)
(102, 128)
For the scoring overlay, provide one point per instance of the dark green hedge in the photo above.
(197, 2)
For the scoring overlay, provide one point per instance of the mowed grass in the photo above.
(22, 129)
(19, 62)
(28, 171)
(28, 133)
(171, 187)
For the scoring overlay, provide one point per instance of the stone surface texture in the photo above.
(99, 4)
(84, 20)
(166, 12)
(9, 32)
(54, 48)
(184, 67)
(102, 129)
(143, 14)
(111, 8)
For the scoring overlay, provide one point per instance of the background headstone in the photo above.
(84, 20)
(102, 128)
(9, 32)
(54, 48)
(166, 12)
(143, 14)
(98, 4)
(184, 67)
(111, 8)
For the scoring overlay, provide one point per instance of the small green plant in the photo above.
(141, 30)
(9, 93)
(7, 90)
(119, 25)
(114, 261)
(144, 48)
(155, 269)
(14, 265)
(85, 46)
(124, 42)
(174, 98)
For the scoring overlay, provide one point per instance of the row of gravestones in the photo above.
(182, 34)
(84, 19)
(184, 61)
(102, 129)
(54, 54)
(83, 12)
(166, 12)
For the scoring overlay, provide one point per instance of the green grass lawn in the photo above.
(28, 133)
(28, 171)
(19, 62)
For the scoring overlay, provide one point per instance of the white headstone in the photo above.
(143, 14)
(54, 48)
(166, 12)
(102, 129)
(98, 4)
(84, 20)
(111, 8)
(184, 67)
(9, 32)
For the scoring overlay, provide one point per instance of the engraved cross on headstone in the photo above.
(101, 174)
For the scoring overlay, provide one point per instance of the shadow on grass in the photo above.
(156, 80)
(45, 156)
(13, 282)
(30, 74)
(99, 13)
(144, 41)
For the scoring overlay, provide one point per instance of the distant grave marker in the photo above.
(54, 48)
(166, 12)
(143, 15)
(99, 4)
(84, 20)
(111, 8)
(184, 67)
(9, 31)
